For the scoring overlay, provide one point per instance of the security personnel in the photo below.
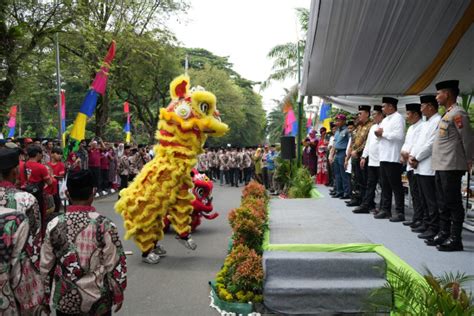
(341, 139)
(452, 156)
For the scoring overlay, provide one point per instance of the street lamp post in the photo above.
(300, 107)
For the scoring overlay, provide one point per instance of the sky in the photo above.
(245, 31)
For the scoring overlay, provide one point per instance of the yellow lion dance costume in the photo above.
(163, 186)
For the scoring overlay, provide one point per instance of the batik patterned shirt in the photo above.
(83, 263)
(28, 291)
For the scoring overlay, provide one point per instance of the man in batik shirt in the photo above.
(82, 260)
(21, 290)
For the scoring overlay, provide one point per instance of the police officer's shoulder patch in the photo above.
(458, 121)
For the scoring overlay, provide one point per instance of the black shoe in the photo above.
(345, 197)
(337, 196)
(397, 218)
(416, 224)
(353, 203)
(427, 234)
(408, 223)
(381, 215)
(451, 244)
(361, 210)
(438, 239)
(419, 229)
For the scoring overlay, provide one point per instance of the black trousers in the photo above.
(360, 179)
(419, 205)
(427, 186)
(373, 175)
(97, 179)
(451, 211)
(391, 174)
(247, 175)
(123, 181)
(265, 178)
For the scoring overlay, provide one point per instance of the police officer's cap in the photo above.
(448, 84)
(9, 158)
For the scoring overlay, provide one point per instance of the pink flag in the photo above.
(100, 82)
(126, 107)
(289, 120)
(12, 115)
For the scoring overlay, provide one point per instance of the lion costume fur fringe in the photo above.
(163, 186)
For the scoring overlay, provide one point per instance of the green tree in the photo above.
(25, 26)
(287, 57)
(240, 109)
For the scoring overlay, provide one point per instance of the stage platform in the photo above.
(302, 281)
(320, 258)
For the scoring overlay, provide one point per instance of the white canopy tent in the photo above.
(372, 48)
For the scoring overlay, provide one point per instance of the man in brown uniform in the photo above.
(452, 156)
(358, 144)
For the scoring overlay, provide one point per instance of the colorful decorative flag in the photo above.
(88, 106)
(291, 124)
(12, 121)
(63, 116)
(126, 129)
(309, 123)
(325, 115)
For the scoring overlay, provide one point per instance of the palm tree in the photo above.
(285, 56)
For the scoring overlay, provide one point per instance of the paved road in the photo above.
(178, 284)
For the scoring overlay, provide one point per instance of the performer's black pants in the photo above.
(419, 205)
(448, 189)
(392, 182)
(427, 186)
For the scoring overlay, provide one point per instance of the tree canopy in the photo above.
(148, 57)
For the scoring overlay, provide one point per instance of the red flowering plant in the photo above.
(256, 190)
(248, 228)
(241, 277)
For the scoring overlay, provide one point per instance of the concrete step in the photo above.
(316, 297)
(322, 265)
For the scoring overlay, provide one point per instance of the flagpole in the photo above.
(58, 87)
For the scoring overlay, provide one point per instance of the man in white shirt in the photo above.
(370, 161)
(391, 134)
(413, 115)
(420, 160)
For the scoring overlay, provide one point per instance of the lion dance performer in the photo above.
(162, 189)
(202, 204)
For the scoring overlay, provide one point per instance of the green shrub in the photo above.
(301, 184)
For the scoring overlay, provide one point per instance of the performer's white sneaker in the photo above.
(160, 251)
(188, 243)
(151, 258)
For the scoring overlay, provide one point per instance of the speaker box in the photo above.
(288, 147)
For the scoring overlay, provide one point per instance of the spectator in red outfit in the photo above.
(33, 172)
(94, 162)
(58, 172)
(104, 170)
